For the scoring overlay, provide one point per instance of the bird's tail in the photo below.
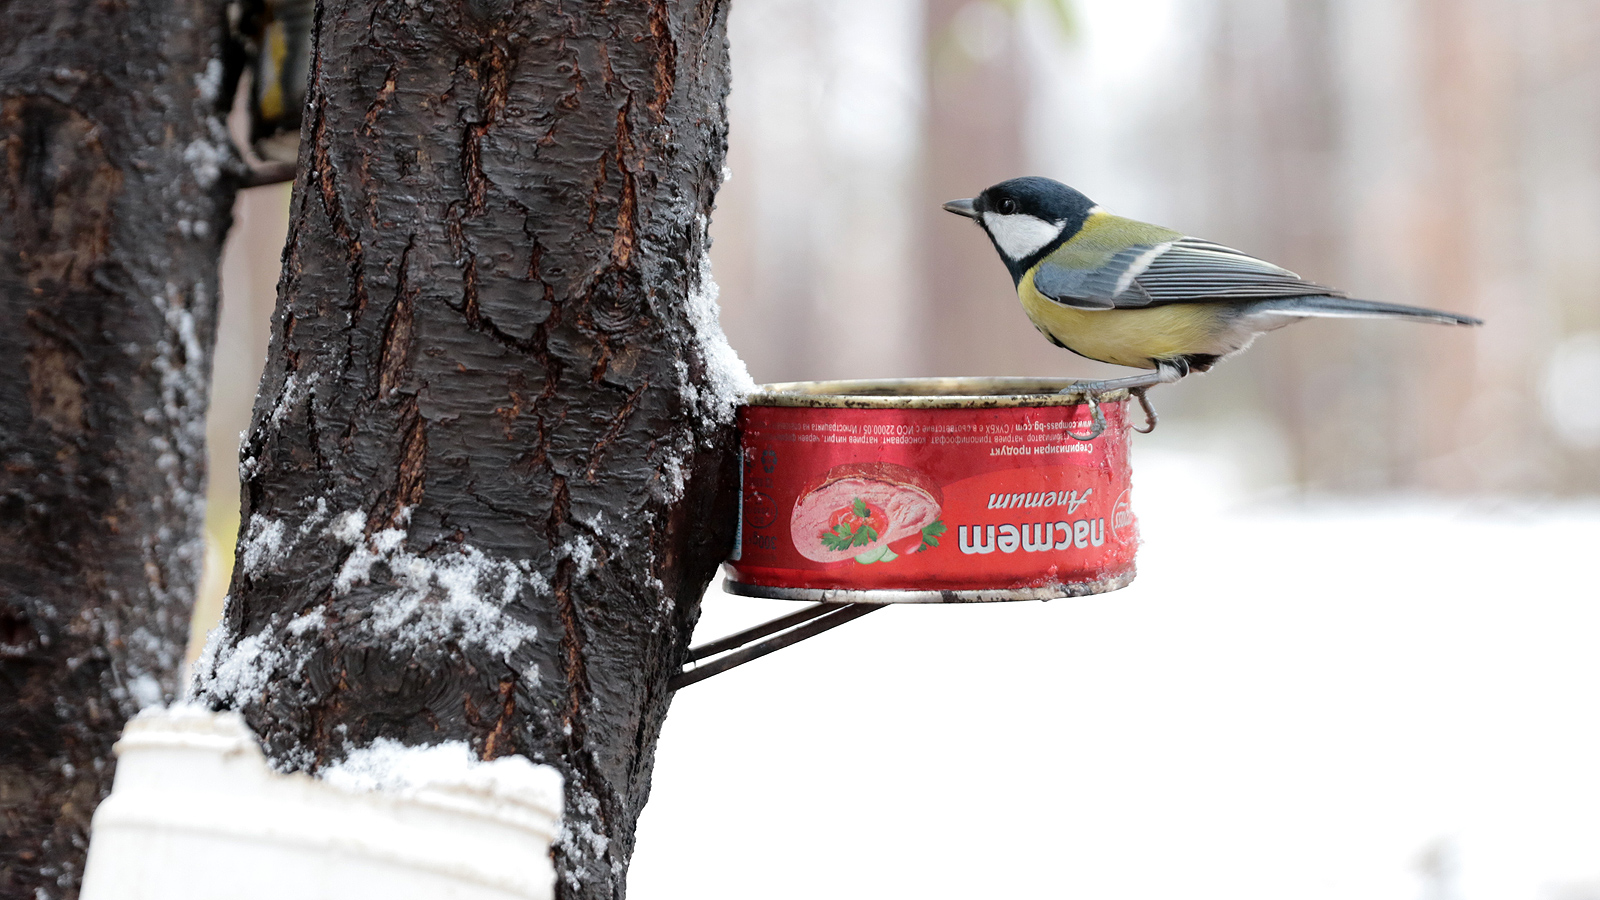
(1347, 308)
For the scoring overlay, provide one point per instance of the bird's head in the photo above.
(1026, 217)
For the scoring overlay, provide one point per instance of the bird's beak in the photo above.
(962, 208)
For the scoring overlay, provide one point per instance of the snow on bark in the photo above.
(462, 596)
(727, 379)
(584, 848)
(241, 670)
(390, 766)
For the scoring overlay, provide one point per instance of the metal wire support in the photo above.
(794, 628)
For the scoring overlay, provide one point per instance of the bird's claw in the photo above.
(1150, 417)
(1092, 392)
(1099, 426)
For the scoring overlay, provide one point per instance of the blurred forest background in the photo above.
(1443, 153)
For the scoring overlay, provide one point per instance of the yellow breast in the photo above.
(1125, 337)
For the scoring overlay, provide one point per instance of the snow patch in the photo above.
(206, 663)
(243, 673)
(581, 552)
(263, 545)
(388, 540)
(415, 615)
(672, 476)
(209, 82)
(310, 620)
(348, 526)
(728, 381)
(390, 766)
(173, 556)
(234, 674)
(357, 569)
(461, 594)
(293, 389)
(205, 160)
(145, 690)
(317, 517)
(581, 844)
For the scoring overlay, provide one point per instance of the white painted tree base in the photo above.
(195, 812)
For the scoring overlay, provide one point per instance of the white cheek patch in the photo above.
(1021, 235)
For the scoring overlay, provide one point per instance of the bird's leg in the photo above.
(1163, 374)
(1136, 385)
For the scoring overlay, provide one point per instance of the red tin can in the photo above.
(931, 490)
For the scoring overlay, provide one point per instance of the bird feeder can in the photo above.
(932, 490)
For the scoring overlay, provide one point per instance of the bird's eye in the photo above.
(1007, 206)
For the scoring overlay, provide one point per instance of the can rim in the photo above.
(926, 393)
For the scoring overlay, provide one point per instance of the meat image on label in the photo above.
(871, 512)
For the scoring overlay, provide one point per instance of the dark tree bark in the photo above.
(487, 478)
(114, 199)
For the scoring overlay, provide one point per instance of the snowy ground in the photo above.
(1292, 701)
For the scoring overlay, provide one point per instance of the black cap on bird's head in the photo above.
(1026, 217)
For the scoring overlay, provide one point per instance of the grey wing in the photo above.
(1096, 288)
(1193, 270)
(1186, 270)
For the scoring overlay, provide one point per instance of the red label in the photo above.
(932, 499)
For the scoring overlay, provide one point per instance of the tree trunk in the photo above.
(113, 207)
(489, 473)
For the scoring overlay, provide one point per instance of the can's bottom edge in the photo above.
(994, 595)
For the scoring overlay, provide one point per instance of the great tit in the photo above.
(1139, 295)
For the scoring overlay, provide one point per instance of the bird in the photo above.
(1134, 294)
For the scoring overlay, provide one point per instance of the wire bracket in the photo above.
(736, 649)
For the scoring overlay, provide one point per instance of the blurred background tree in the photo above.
(116, 186)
